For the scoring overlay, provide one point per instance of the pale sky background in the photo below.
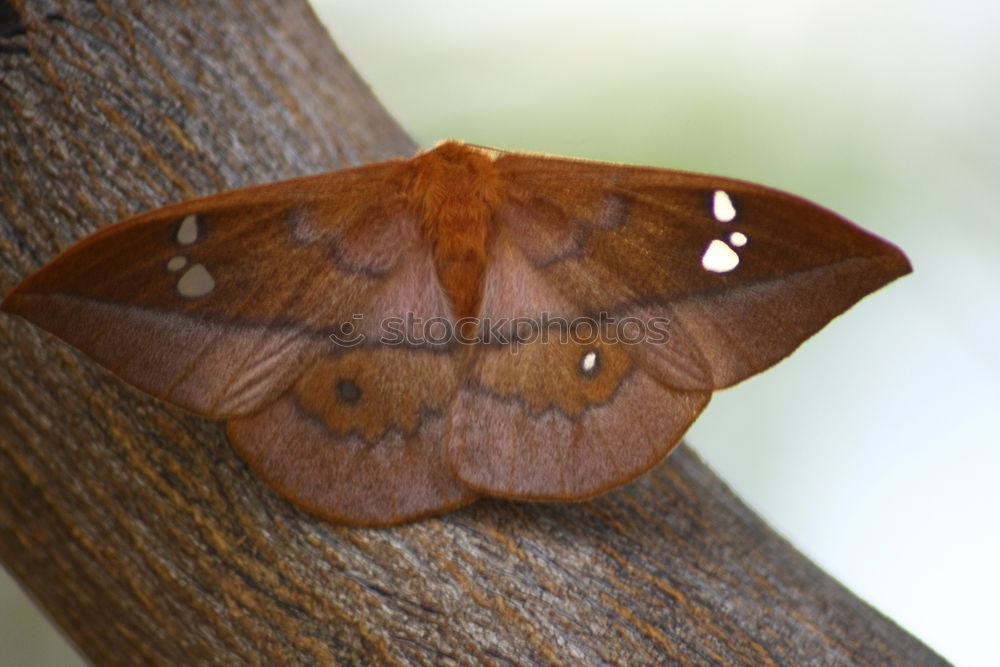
(874, 448)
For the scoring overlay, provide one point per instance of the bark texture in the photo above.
(148, 541)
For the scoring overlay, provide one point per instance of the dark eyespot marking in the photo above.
(348, 391)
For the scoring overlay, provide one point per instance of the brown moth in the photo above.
(394, 340)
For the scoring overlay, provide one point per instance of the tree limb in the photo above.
(148, 541)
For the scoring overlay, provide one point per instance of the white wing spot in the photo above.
(188, 231)
(195, 282)
(303, 226)
(738, 239)
(722, 207)
(719, 257)
(588, 363)
(177, 263)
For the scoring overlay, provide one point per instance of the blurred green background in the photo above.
(874, 448)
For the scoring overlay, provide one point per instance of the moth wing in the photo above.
(226, 306)
(632, 250)
(744, 273)
(216, 303)
(358, 438)
(549, 413)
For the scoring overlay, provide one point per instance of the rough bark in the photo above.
(148, 541)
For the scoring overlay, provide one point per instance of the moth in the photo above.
(395, 340)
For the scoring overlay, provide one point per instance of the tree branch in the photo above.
(148, 541)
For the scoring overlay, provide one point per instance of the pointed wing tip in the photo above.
(895, 263)
(18, 301)
(882, 261)
(22, 299)
(905, 266)
(31, 305)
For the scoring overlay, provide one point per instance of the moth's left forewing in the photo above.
(216, 304)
